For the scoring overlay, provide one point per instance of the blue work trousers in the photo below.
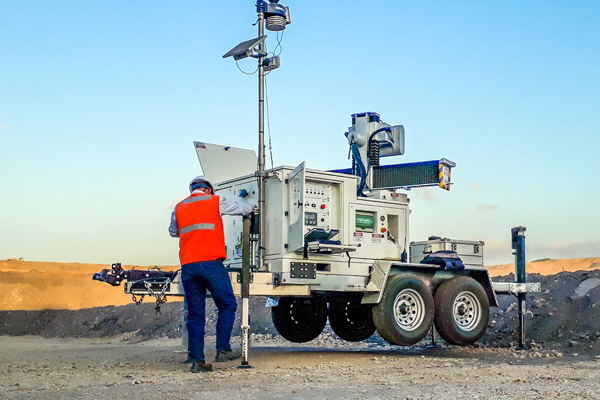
(197, 278)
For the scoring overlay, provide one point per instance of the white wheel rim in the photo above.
(466, 311)
(409, 309)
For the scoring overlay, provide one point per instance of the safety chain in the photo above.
(161, 297)
(136, 301)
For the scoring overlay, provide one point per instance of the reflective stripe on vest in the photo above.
(194, 227)
(193, 199)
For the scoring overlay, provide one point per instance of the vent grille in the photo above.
(406, 175)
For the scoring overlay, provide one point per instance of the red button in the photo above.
(322, 206)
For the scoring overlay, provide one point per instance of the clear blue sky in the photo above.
(100, 103)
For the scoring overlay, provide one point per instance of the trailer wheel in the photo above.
(299, 319)
(351, 320)
(405, 313)
(462, 311)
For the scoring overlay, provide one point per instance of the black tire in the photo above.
(351, 320)
(299, 319)
(405, 313)
(462, 311)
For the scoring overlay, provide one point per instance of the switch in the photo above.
(322, 206)
(383, 229)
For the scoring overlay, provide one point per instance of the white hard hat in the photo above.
(197, 181)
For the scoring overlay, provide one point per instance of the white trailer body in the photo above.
(302, 200)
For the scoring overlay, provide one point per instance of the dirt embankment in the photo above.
(30, 285)
(549, 266)
(136, 321)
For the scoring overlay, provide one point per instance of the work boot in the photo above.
(200, 366)
(188, 360)
(227, 355)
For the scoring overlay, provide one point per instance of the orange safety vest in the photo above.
(201, 236)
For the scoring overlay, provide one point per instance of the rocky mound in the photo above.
(140, 321)
(565, 313)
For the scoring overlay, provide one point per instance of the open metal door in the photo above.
(296, 183)
(221, 163)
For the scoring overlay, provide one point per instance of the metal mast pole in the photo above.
(261, 133)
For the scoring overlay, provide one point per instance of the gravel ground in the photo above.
(42, 368)
(124, 352)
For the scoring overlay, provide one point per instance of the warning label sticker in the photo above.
(358, 236)
(377, 238)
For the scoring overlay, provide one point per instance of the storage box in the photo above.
(470, 252)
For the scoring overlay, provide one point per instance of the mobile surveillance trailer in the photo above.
(334, 245)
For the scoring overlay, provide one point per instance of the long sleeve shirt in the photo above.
(226, 207)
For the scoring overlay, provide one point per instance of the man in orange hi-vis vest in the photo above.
(197, 222)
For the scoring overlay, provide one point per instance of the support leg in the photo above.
(245, 278)
(433, 344)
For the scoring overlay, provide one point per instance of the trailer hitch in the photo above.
(151, 282)
(116, 274)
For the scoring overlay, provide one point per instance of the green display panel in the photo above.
(365, 222)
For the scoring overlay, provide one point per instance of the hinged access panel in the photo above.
(296, 183)
(221, 163)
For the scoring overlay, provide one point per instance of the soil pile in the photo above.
(565, 313)
(135, 321)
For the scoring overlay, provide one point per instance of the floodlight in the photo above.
(245, 49)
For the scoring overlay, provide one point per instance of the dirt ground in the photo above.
(124, 352)
(42, 368)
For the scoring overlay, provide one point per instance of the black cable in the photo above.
(370, 148)
(244, 72)
(279, 38)
(361, 168)
(269, 124)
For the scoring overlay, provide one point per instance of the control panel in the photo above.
(317, 202)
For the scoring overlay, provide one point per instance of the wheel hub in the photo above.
(409, 309)
(467, 311)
